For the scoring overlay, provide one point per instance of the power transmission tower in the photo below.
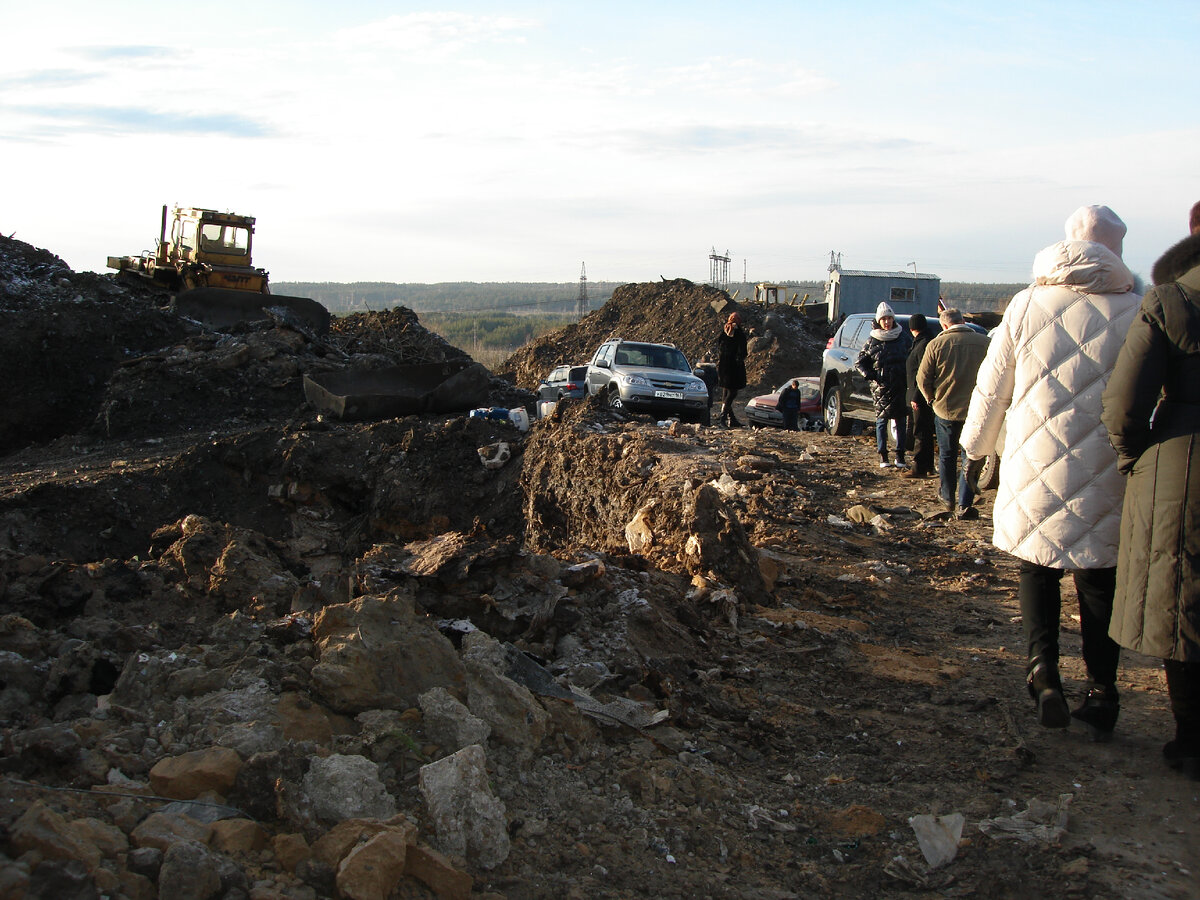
(583, 297)
(718, 269)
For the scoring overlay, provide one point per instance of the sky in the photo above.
(524, 141)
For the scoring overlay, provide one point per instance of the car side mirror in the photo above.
(603, 364)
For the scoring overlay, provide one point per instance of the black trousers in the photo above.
(727, 397)
(923, 438)
(1041, 607)
(1183, 686)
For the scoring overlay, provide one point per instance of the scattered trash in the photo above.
(498, 413)
(1040, 822)
(756, 816)
(526, 671)
(887, 567)
(727, 485)
(494, 456)
(902, 870)
(838, 521)
(861, 514)
(938, 837)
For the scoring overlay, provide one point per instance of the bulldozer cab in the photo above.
(210, 249)
(206, 236)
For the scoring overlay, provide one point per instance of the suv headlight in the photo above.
(634, 379)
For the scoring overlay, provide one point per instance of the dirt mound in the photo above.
(103, 358)
(783, 342)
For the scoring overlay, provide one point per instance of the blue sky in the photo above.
(488, 141)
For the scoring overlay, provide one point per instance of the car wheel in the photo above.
(614, 400)
(989, 475)
(835, 422)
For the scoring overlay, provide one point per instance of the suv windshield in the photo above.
(653, 356)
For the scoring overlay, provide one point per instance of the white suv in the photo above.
(634, 376)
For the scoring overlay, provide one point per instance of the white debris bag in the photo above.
(938, 837)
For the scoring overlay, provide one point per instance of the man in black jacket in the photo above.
(922, 421)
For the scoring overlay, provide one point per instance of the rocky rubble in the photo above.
(247, 651)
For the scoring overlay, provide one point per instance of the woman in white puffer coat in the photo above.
(1058, 506)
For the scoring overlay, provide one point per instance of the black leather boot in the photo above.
(1183, 685)
(1045, 687)
(1183, 753)
(1099, 710)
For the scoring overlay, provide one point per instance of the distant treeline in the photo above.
(475, 332)
(451, 296)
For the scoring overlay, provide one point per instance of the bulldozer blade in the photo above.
(414, 388)
(221, 308)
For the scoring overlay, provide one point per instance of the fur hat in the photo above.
(1194, 219)
(1099, 224)
(884, 310)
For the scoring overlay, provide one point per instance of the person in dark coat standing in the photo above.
(882, 363)
(922, 415)
(731, 366)
(1152, 413)
(789, 405)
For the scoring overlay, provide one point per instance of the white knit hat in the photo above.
(884, 310)
(1099, 224)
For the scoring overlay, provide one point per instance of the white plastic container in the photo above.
(546, 408)
(519, 417)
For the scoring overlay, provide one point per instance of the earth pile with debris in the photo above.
(249, 650)
(783, 341)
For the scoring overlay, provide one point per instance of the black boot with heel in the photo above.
(1183, 685)
(1099, 710)
(1045, 687)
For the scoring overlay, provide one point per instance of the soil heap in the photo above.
(783, 342)
(248, 650)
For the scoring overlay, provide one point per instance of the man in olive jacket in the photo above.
(946, 378)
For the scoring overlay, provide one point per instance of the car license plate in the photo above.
(669, 395)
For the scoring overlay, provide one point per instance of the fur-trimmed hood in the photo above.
(1177, 261)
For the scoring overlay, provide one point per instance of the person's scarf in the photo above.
(889, 335)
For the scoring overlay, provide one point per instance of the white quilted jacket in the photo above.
(1059, 500)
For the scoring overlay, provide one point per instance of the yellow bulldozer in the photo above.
(204, 261)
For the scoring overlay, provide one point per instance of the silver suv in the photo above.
(638, 377)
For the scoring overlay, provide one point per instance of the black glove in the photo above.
(972, 472)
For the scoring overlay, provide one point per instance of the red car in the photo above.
(764, 409)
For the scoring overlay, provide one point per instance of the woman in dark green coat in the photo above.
(1152, 412)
